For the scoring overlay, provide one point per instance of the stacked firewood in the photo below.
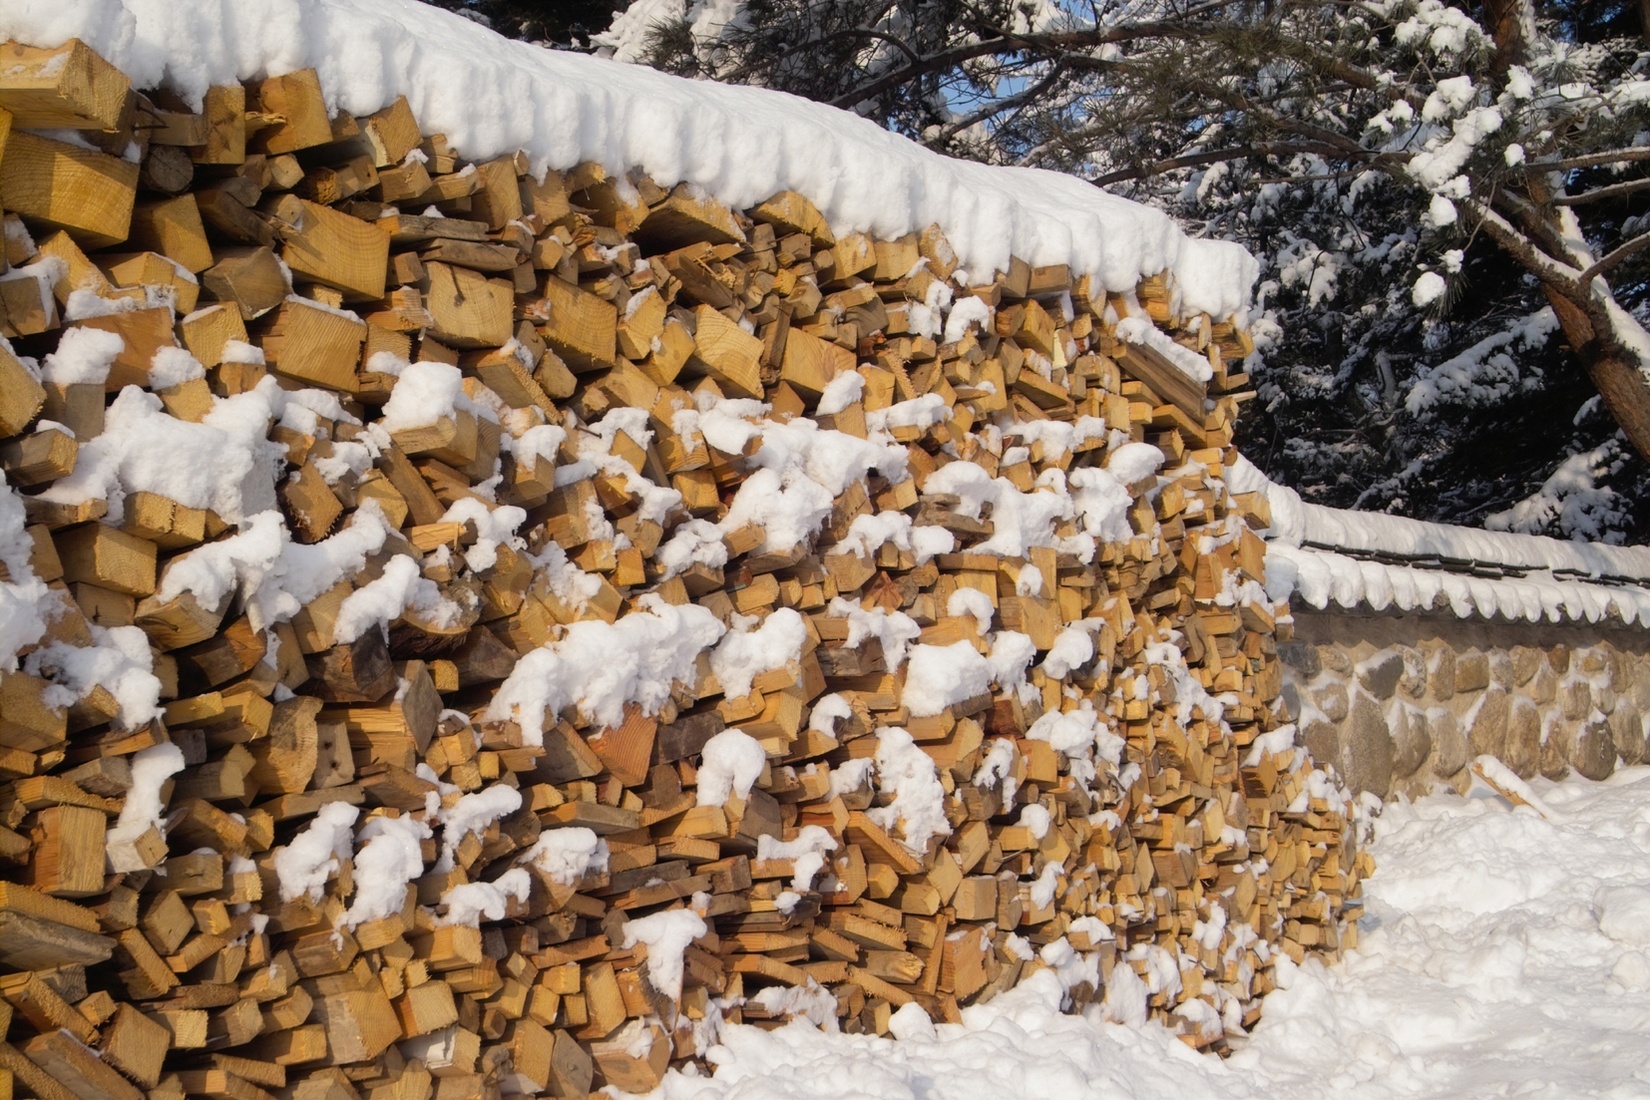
(729, 619)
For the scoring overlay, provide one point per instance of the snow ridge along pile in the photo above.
(470, 629)
(1351, 559)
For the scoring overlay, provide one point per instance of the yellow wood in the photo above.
(810, 363)
(391, 133)
(67, 187)
(107, 557)
(206, 332)
(173, 228)
(21, 397)
(581, 327)
(794, 213)
(68, 87)
(142, 332)
(151, 269)
(295, 101)
(331, 248)
(469, 310)
(730, 354)
(249, 278)
(314, 344)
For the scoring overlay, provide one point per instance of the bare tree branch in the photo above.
(1609, 261)
(1601, 194)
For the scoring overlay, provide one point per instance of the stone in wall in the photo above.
(1404, 703)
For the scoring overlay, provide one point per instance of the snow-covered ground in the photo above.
(1503, 954)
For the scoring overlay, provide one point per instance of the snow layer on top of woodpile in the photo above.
(491, 96)
(1329, 556)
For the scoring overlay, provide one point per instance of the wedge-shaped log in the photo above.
(249, 279)
(581, 327)
(142, 332)
(78, 1068)
(391, 133)
(207, 331)
(68, 87)
(469, 309)
(42, 456)
(68, 853)
(728, 353)
(107, 557)
(173, 228)
(20, 395)
(152, 269)
(331, 248)
(38, 932)
(314, 344)
(296, 110)
(686, 216)
(67, 187)
(27, 721)
(793, 213)
(810, 363)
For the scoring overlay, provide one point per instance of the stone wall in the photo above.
(1403, 703)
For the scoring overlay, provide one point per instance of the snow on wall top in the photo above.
(491, 96)
(1319, 555)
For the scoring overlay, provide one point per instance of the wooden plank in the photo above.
(21, 396)
(68, 855)
(107, 557)
(78, 1068)
(173, 228)
(468, 309)
(1168, 380)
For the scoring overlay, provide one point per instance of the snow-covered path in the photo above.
(1503, 955)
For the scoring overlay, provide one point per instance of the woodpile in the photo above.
(195, 903)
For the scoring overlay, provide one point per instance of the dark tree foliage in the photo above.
(555, 22)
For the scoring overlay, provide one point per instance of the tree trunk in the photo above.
(1615, 372)
(1506, 24)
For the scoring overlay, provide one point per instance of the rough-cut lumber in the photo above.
(580, 326)
(69, 87)
(173, 228)
(248, 278)
(294, 111)
(468, 310)
(107, 557)
(62, 186)
(331, 248)
(728, 353)
(21, 396)
(313, 344)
